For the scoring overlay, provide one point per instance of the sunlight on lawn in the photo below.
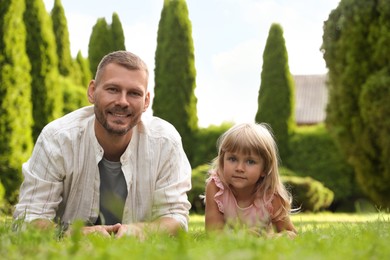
(308, 221)
(321, 236)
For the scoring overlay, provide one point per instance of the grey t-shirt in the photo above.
(113, 192)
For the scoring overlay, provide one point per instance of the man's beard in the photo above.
(103, 121)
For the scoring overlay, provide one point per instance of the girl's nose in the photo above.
(240, 166)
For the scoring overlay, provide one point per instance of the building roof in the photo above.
(311, 97)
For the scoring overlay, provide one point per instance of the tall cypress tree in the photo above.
(276, 94)
(61, 33)
(82, 65)
(15, 94)
(118, 37)
(175, 74)
(100, 42)
(41, 50)
(356, 44)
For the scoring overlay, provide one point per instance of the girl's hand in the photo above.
(287, 233)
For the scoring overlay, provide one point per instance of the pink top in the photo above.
(256, 215)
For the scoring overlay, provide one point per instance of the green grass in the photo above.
(321, 236)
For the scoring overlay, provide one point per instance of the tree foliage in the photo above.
(104, 39)
(99, 43)
(73, 72)
(118, 37)
(41, 50)
(276, 95)
(316, 155)
(82, 69)
(15, 94)
(61, 33)
(175, 74)
(74, 95)
(356, 46)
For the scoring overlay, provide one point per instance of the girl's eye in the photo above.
(232, 159)
(251, 162)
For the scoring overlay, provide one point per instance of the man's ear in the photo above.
(147, 101)
(91, 91)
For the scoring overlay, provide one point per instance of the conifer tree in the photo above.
(118, 37)
(356, 49)
(276, 94)
(175, 74)
(61, 33)
(104, 39)
(82, 65)
(99, 43)
(15, 97)
(41, 50)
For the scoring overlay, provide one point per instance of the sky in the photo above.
(229, 39)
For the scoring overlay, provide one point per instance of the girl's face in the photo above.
(242, 171)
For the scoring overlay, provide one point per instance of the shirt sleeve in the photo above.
(40, 192)
(173, 183)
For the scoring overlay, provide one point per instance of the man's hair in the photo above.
(123, 58)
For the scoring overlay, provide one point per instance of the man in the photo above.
(120, 171)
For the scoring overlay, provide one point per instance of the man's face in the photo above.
(120, 97)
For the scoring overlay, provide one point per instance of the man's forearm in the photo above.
(166, 225)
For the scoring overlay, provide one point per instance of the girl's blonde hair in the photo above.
(249, 138)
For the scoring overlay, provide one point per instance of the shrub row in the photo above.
(316, 155)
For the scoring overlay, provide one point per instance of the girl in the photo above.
(244, 188)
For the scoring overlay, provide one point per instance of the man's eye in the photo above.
(112, 90)
(135, 94)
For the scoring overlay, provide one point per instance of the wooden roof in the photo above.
(311, 97)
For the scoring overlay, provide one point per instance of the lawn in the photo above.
(321, 236)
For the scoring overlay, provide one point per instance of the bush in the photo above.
(316, 155)
(75, 96)
(205, 150)
(5, 206)
(2, 193)
(195, 195)
(308, 194)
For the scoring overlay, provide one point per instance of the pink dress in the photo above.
(256, 215)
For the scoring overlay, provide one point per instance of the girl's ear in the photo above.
(264, 173)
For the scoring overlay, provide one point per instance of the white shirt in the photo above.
(61, 179)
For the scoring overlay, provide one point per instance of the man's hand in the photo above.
(136, 230)
(105, 230)
(139, 230)
(164, 225)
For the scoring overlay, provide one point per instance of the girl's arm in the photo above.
(214, 219)
(285, 223)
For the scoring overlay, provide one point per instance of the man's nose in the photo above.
(122, 100)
